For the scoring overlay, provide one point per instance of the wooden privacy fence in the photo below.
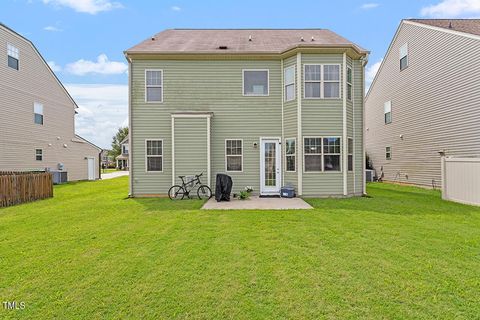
(20, 187)
(461, 180)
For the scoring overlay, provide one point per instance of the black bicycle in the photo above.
(178, 192)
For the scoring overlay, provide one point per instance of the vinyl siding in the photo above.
(20, 136)
(290, 126)
(435, 105)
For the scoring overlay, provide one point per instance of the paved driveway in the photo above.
(115, 174)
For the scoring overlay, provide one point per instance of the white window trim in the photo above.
(236, 155)
(322, 155)
(403, 47)
(15, 49)
(390, 152)
(255, 95)
(349, 83)
(291, 155)
(146, 156)
(322, 81)
(389, 103)
(350, 153)
(35, 152)
(156, 86)
(35, 113)
(285, 85)
(314, 154)
(312, 81)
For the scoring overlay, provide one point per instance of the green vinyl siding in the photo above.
(358, 94)
(290, 126)
(190, 147)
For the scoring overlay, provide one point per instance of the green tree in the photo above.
(116, 139)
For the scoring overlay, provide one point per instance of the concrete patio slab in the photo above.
(257, 203)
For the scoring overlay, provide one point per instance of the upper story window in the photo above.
(255, 82)
(387, 112)
(38, 113)
(13, 56)
(154, 155)
(233, 155)
(289, 83)
(322, 81)
(125, 149)
(349, 83)
(154, 85)
(290, 149)
(403, 56)
(38, 154)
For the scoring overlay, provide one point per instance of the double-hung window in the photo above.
(233, 155)
(255, 82)
(313, 80)
(350, 154)
(331, 154)
(313, 154)
(387, 112)
(13, 56)
(331, 81)
(290, 149)
(322, 154)
(388, 153)
(38, 154)
(289, 83)
(154, 155)
(38, 113)
(403, 56)
(154, 85)
(349, 83)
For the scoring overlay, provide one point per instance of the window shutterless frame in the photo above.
(287, 84)
(339, 154)
(388, 153)
(38, 154)
(233, 155)
(322, 81)
(322, 154)
(162, 86)
(255, 95)
(313, 154)
(350, 147)
(155, 156)
(305, 81)
(349, 81)
(294, 155)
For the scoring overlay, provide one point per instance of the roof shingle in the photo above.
(471, 26)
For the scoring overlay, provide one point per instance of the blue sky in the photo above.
(84, 40)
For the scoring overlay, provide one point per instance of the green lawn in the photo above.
(109, 170)
(92, 253)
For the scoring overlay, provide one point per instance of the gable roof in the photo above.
(471, 26)
(241, 41)
(43, 60)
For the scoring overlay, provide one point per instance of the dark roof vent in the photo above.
(450, 25)
(223, 47)
(250, 38)
(301, 39)
(153, 38)
(313, 39)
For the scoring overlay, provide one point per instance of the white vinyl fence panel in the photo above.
(461, 180)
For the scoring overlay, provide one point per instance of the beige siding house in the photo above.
(425, 99)
(267, 107)
(37, 115)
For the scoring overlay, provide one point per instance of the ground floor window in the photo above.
(38, 154)
(233, 154)
(290, 149)
(350, 154)
(322, 154)
(154, 155)
(388, 153)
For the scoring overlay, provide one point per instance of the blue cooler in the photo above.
(287, 192)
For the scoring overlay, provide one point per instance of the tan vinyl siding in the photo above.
(322, 118)
(435, 105)
(20, 136)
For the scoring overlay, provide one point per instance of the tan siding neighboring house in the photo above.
(435, 101)
(35, 84)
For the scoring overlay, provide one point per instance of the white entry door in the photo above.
(270, 166)
(91, 168)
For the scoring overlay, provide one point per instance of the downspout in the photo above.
(299, 125)
(364, 63)
(344, 138)
(283, 129)
(130, 131)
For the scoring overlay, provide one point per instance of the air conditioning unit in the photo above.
(369, 175)
(59, 177)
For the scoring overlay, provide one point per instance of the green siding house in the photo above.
(267, 107)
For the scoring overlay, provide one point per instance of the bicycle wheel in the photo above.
(204, 192)
(176, 192)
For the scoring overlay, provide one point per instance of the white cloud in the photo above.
(86, 6)
(52, 29)
(55, 67)
(370, 5)
(453, 9)
(370, 73)
(176, 8)
(101, 66)
(103, 108)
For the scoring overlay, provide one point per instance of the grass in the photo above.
(92, 253)
(109, 170)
